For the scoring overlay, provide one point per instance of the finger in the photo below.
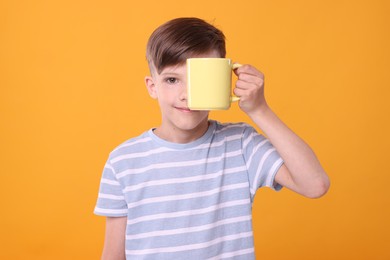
(248, 69)
(250, 83)
(239, 92)
(258, 80)
(244, 94)
(246, 86)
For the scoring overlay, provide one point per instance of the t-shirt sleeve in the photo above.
(111, 201)
(262, 160)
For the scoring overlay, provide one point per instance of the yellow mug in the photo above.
(209, 83)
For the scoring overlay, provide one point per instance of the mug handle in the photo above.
(235, 66)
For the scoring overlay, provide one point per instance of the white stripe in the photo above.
(258, 146)
(248, 139)
(188, 212)
(141, 154)
(177, 164)
(187, 196)
(260, 168)
(234, 253)
(222, 142)
(184, 180)
(110, 211)
(143, 140)
(108, 166)
(189, 229)
(189, 247)
(110, 182)
(271, 175)
(111, 197)
(226, 126)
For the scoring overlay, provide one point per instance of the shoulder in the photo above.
(244, 132)
(132, 145)
(233, 128)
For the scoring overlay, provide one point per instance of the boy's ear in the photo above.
(149, 82)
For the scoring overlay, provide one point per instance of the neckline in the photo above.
(179, 146)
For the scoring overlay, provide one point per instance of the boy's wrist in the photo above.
(259, 112)
(263, 117)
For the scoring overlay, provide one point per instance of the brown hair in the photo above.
(179, 39)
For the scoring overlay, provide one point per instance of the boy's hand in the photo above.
(250, 89)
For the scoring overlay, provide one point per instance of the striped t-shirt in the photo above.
(189, 201)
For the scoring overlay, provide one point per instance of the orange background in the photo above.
(71, 89)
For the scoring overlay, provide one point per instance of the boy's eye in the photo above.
(171, 80)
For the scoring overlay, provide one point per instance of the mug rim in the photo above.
(208, 58)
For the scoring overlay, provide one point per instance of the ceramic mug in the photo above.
(209, 83)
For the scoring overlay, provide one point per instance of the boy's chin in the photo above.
(191, 124)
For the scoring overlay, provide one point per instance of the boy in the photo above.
(184, 190)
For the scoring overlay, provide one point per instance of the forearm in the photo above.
(301, 172)
(305, 170)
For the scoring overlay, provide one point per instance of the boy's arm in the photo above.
(114, 242)
(301, 171)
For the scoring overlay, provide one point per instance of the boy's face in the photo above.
(170, 89)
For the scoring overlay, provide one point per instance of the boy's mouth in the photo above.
(184, 109)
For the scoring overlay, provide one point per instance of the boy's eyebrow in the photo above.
(169, 73)
(171, 70)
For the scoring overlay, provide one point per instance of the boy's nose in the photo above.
(183, 93)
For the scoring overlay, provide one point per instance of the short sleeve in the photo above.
(111, 201)
(262, 160)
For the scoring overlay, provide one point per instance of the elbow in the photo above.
(319, 188)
